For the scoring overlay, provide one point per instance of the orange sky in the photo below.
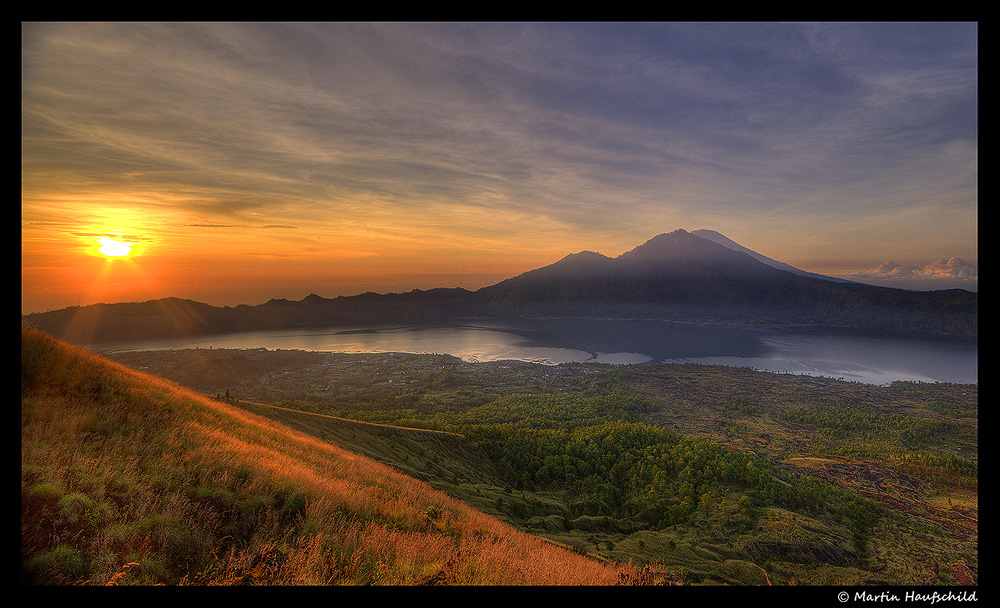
(228, 266)
(271, 160)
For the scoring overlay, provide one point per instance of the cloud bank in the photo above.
(939, 274)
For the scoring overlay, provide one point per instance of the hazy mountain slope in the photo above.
(176, 317)
(577, 279)
(130, 479)
(725, 241)
(131, 320)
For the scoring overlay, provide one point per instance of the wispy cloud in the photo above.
(545, 136)
(529, 112)
(115, 235)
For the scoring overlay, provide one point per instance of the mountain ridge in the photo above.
(674, 276)
(725, 241)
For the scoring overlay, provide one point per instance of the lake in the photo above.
(849, 355)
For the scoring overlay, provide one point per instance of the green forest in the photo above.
(611, 464)
(704, 464)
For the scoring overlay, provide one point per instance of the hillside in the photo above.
(129, 479)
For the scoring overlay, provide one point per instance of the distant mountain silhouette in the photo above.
(676, 276)
(682, 276)
(668, 272)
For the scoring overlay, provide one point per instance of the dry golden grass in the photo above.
(131, 479)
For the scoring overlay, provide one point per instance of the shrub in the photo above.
(187, 549)
(74, 507)
(39, 508)
(42, 495)
(59, 566)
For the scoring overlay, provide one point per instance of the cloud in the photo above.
(113, 235)
(242, 226)
(940, 274)
(952, 268)
(602, 134)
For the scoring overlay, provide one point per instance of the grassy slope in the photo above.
(130, 479)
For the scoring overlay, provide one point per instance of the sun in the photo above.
(113, 248)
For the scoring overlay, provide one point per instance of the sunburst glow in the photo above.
(387, 157)
(115, 249)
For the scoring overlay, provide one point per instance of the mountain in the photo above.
(683, 276)
(676, 276)
(667, 275)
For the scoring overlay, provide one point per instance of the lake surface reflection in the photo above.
(851, 355)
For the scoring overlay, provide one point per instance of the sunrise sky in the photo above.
(250, 161)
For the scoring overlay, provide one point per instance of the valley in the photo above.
(235, 459)
(734, 476)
